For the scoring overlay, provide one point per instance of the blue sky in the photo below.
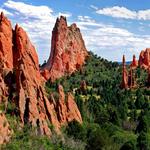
(110, 28)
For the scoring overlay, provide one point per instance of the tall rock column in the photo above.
(134, 63)
(6, 56)
(34, 107)
(68, 51)
(124, 83)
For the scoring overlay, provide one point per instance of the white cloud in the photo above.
(105, 40)
(122, 12)
(37, 12)
(66, 14)
(111, 42)
(6, 12)
(86, 19)
(94, 7)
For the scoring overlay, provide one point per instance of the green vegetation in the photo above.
(113, 118)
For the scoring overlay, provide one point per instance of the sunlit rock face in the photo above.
(68, 51)
(19, 68)
(144, 58)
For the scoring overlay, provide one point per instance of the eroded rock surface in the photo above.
(124, 83)
(5, 131)
(19, 69)
(144, 58)
(68, 51)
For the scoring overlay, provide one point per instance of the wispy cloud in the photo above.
(86, 19)
(111, 42)
(122, 12)
(94, 7)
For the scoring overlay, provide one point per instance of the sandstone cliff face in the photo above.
(6, 42)
(144, 58)
(68, 52)
(6, 56)
(19, 58)
(31, 98)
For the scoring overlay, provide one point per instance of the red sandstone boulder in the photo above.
(68, 51)
(5, 131)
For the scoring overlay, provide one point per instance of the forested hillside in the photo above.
(113, 118)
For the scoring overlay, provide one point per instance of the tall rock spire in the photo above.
(131, 78)
(134, 63)
(18, 57)
(124, 83)
(68, 51)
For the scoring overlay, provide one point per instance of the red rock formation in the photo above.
(67, 109)
(73, 112)
(6, 42)
(68, 51)
(5, 131)
(33, 105)
(6, 57)
(131, 78)
(134, 63)
(124, 83)
(144, 59)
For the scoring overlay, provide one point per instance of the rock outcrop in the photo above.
(128, 79)
(6, 66)
(73, 112)
(144, 58)
(6, 56)
(68, 51)
(34, 106)
(124, 83)
(67, 109)
(6, 42)
(5, 131)
(134, 63)
(131, 78)
(19, 60)
(32, 103)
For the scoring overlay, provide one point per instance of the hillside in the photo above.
(113, 118)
